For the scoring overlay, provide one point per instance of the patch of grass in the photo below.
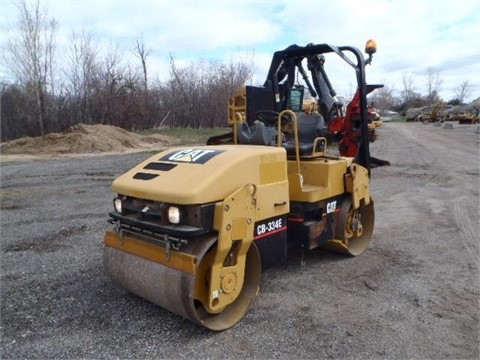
(188, 136)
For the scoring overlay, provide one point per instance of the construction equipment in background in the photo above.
(436, 114)
(374, 119)
(465, 118)
(194, 227)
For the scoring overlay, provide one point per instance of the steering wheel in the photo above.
(270, 117)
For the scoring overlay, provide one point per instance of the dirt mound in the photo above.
(84, 139)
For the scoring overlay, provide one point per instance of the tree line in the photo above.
(86, 85)
(386, 98)
(104, 89)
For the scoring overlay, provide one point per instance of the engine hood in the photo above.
(202, 174)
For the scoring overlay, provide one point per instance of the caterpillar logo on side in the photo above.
(331, 207)
(194, 156)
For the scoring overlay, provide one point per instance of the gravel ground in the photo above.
(413, 294)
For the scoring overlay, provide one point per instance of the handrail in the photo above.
(238, 118)
(315, 146)
(295, 129)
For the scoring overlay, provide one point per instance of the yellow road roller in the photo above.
(193, 227)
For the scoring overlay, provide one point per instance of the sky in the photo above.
(413, 37)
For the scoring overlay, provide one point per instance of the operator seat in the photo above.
(256, 134)
(310, 127)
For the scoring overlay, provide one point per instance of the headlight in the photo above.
(117, 204)
(174, 214)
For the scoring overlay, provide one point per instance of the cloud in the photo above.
(412, 36)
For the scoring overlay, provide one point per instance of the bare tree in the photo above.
(198, 95)
(383, 98)
(462, 91)
(142, 54)
(433, 85)
(408, 92)
(83, 75)
(112, 76)
(30, 55)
